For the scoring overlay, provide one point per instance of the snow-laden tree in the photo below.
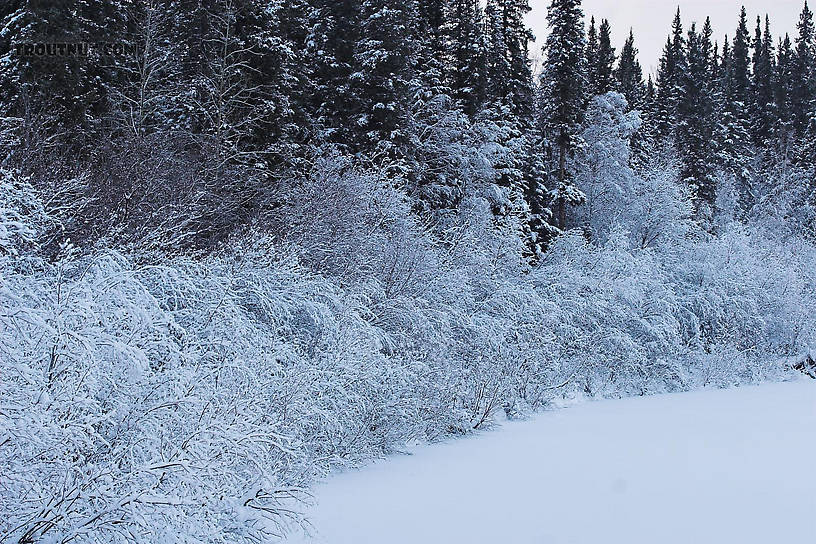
(509, 78)
(464, 59)
(22, 215)
(648, 203)
(696, 120)
(803, 91)
(383, 80)
(563, 87)
(733, 134)
(762, 103)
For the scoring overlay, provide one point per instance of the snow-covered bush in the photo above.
(195, 399)
(617, 325)
(22, 216)
(140, 402)
(708, 311)
(748, 290)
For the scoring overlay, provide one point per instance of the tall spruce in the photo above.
(383, 81)
(783, 89)
(509, 70)
(803, 92)
(429, 35)
(629, 74)
(733, 135)
(464, 53)
(672, 66)
(334, 28)
(68, 92)
(605, 61)
(763, 107)
(563, 83)
(591, 56)
(738, 76)
(695, 119)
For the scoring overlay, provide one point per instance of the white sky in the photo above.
(651, 20)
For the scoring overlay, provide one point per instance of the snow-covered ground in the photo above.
(714, 466)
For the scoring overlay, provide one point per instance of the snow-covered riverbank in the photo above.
(706, 467)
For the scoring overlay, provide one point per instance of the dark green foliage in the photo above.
(629, 74)
(763, 111)
(465, 67)
(803, 88)
(563, 88)
(216, 101)
(695, 117)
(669, 74)
(605, 60)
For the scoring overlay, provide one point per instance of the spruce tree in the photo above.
(739, 80)
(605, 60)
(695, 119)
(651, 91)
(672, 66)
(334, 27)
(429, 35)
(763, 110)
(803, 92)
(629, 74)
(563, 83)
(591, 56)
(783, 89)
(382, 83)
(509, 79)
(464, 56)
(71, 90)
(496, 61)
(733, 134)
(519, 38)
(716, 65)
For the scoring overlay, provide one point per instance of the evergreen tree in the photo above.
(724, 63)
(716, 65)
(803, 91)
(431, 22)
(383, 83)
(509, 74)
(709, 51)
(464, 53)
(629, 74)
(334, 32)
(71, 90)
(739, 81)
(509, 97)
(591, 53)
(518, 39)
(672, 66)
(563, 83)
(733, 134)
(651, 91)
(763, 111)
(695, 123)
(783, 89)
(605, 60)
(429, 35)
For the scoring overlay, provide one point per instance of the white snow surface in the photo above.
(715, 466)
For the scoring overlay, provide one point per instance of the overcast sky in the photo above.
(651, 19)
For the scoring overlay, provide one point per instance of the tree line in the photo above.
(219, 100)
